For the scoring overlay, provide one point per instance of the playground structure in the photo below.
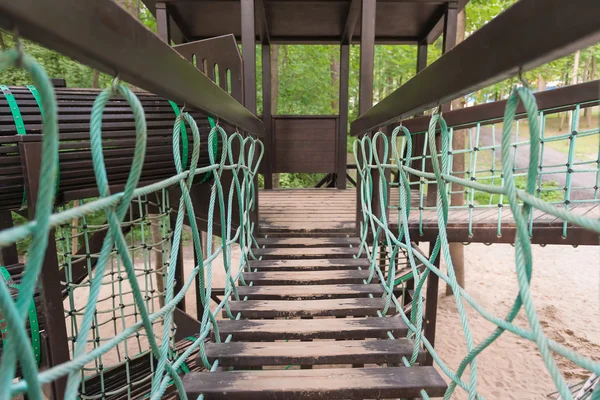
(88, 314)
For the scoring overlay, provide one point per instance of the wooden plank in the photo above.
(302, 329)
(307, 277)
(308, 242)
(254, 354)
(317, 384)
(308, 265)
(293, 253)
(308, 308)
(296, 292)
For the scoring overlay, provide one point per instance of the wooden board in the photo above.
(302, 329)
(253, 354)
(317, 384)
(331, 211)
(307, 277)
(308, 308)
(309, 292)
(309, 265)
(291, 253)
(309, 242)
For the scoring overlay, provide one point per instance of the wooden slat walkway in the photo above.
(312, 212)
(303, 312)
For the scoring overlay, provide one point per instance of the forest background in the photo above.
(307, 81)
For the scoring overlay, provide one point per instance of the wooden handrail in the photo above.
(101, 34)
(562, 99)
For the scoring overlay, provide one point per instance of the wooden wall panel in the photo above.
(305, 144)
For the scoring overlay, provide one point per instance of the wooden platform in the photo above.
(332, 212)
(302, 312)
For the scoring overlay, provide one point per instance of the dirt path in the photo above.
(551, 157)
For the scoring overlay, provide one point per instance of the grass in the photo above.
(550, 192)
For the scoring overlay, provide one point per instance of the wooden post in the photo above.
(343, 121)
(431, 302)
(162, 22)
(457, 250)
(8, 254)
(50, 277)
(249, 54)
(267, 112)
(449, 41)
(367, 60)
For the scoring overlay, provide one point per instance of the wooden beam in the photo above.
(104, 36)
(343, 121)
(263, 26)
(429, 32)
(367, 60)
(367, 55)
(269, 158)
(528, 34)
(422, 56)
(249, 54)
(561, 99)
(162, 22)
(176, 32)
(351, 20)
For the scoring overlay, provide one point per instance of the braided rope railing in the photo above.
(375, 158)
(116, 266)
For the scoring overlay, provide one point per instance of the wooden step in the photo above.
(316, 384)
(309, 265)
(305, 253)
(302, 329)
(308, 277)
(254, 354)
(308, 308)
(294, 292)
(300, 242)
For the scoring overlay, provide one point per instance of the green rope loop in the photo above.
(17, 346)
(184, 137)
(34, 325)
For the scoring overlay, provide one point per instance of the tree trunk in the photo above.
(574, 80)
(541, 83)
(335, 81)
(274, 96)
(563, 115)
(457, 250)
(587, 113)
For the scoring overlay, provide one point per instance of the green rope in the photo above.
(521, 202)
(34, 325)
(184, 137)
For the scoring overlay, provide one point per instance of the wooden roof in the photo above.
(310, 21)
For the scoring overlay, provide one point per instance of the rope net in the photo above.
(119, 302)
(498, 182)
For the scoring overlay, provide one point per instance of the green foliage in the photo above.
(550, 192)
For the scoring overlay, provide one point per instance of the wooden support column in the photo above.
(367, 61)
(8, 254)
(418, 140)
(269, 160)
(431, 302)
(249, 54)
(50, 277)
(163, 22)
(343, 121)
(450, 22)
